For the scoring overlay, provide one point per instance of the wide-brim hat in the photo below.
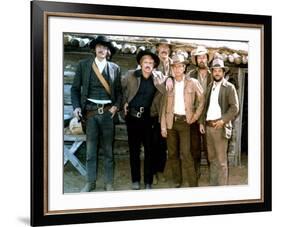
(103, 40)
(150, 53)
(164, 41)
(201, 50)
(178, 59)
(219, 63)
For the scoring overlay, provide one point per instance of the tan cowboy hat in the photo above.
(200, 50)
(164, 41)
(178, 59)
(218, 63)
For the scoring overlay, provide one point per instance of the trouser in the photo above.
(159, 147)
(100, 129)
(198, 145)
(139, 132)
(179, 155)
(217, 155)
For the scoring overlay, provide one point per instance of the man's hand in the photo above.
(164, 133)
(218, 124)
(126, 108)
(202, 128)
(77, 113)
(113, 110)
(169, 84)
(193, 119)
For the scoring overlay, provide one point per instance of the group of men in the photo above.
(168, 109)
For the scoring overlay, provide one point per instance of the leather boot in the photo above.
(89, 186)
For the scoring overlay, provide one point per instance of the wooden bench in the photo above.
(77, 141)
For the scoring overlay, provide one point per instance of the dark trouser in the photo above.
(100, 128)
(198, 144)
(179, 155)
(139, 132)
(159, 148)
(217, 155)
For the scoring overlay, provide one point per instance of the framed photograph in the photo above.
(64, 36)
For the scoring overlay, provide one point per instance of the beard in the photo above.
(217, 80)
(202, 65)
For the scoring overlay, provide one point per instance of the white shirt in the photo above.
(179, 107)
(101, 64)
(214, 110)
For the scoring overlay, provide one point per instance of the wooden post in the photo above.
(241, 91)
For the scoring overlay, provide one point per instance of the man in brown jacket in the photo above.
(221, 108)
(200, 57)
(140, 87)
(159, 144)
(179, 111)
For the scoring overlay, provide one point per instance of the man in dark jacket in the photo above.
(140, 87)
(221, 108)
(96, 96)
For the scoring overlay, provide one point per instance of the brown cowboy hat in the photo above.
(178, 59)
(164, 41)
(200, 50)
(150, 53)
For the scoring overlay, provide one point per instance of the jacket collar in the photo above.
(224, 82)
(138, 73)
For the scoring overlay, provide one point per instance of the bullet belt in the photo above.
(95, 109)
(211, 123)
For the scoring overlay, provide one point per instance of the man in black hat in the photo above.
(140, 87)
(96, 96)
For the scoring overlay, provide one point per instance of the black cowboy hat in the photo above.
(103, 40)
(148, 52)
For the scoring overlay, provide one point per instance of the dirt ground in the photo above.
(74, 182)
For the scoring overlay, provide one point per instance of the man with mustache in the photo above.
(220, 109)
(159, 145)
(96, 96)
(179, 111)
(140, 87)
(201, 58)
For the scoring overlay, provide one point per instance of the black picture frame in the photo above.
(39, 111)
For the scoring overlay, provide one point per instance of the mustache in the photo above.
(162, 52)
(148, 67)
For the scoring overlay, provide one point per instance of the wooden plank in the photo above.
(71, 138)
(73, 149)
(74, 161)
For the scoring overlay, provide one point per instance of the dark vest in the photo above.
(96, 89)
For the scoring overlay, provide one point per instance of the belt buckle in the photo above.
(138, 114)
(100, 108)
